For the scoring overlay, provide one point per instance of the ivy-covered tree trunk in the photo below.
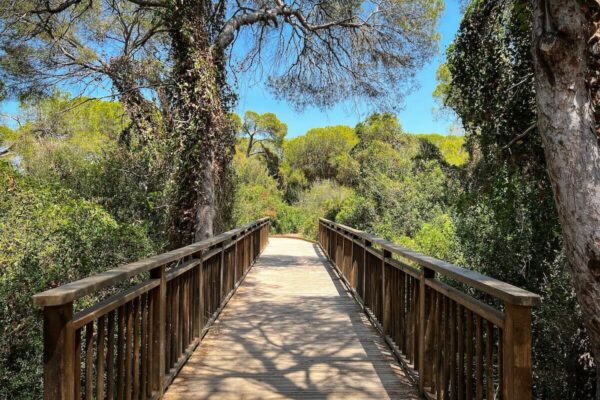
(201, 126)
(572, 147)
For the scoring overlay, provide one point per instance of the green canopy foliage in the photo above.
(320, 152)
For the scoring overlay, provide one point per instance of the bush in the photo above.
(48, 237)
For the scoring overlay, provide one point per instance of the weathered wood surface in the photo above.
(292, 331)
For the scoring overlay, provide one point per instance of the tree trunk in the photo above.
(201, 126)
(572, 148)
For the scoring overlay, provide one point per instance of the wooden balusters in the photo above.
(461, 347)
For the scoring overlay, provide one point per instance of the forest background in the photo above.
(74, 200)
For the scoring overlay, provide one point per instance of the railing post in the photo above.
(516, 343)
(59, 342)
(159, 322)
(221, 273)
(424, 361)
(385, 297)
(364, 280)
(235, 257)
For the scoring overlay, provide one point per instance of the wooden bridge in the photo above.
(244, 317)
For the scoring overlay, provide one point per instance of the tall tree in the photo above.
(167, 61)
(562, 32)
(265, 133)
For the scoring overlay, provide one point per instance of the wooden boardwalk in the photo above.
(292, 331)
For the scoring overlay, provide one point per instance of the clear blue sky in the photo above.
(416, 116)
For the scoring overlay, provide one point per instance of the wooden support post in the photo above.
(385, 295)
(516, 344)
(59, 342)
(221, 273)
(425, 359)
(235, 257)
(364, 280)
(159, 322)
(199, 299)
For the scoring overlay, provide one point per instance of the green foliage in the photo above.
(323, 199)
(73, 143)
(257, 194)
(48, 237)
(399, 187)
(7, 135)
(319, 153)
(451, 147)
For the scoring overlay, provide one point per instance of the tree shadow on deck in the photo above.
(292, 331)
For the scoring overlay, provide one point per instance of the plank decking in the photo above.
(292, 331)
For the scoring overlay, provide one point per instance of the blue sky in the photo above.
(416, 116)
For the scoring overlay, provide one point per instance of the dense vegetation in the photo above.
(82, 190)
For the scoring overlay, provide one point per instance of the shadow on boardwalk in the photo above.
(292, 331)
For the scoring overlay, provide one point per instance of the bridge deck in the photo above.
(292, 331)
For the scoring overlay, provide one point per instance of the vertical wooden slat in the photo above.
(478, 358)
(128, 348)
(461, 352)
(500, 363)
(144, 349)
(425, 363)
(439, 345)
(121, 354)
(77, 365)
(446, 358)
(100, 360)
(110, 357)
(489, 359)
(469, 368)
(89, 360)
(136, 348)
(453, 383)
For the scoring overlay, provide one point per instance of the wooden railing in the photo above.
(453, 345)
(132, 344)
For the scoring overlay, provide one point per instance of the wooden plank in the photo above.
(478, 359)
(100, 358)
(121, 353)
(144, 348)
(89, 360)
(128, 347)
(77, 365)
(469, 368)
(489, 359)
(58, 352)
(136, 348)
(517, 368)
(110, 357)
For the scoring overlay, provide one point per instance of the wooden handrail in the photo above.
(133, 343)
(75, 290)
(494, 287)
(453, 345)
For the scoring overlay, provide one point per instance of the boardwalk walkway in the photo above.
(291, 331)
